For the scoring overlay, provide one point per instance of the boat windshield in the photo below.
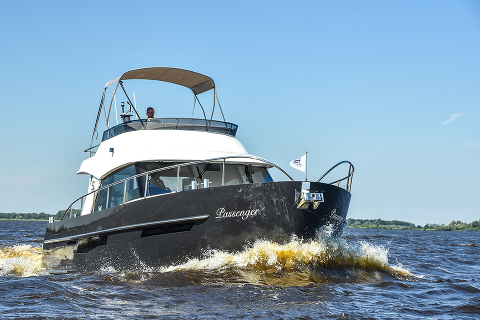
(201, 175)
(172, 124)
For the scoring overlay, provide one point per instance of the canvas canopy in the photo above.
(196, 82)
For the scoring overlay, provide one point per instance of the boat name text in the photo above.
(245, 214)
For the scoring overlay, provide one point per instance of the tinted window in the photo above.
(165, 181)
(115, 194)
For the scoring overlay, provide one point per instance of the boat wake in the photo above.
(296, 263)
(20, 260)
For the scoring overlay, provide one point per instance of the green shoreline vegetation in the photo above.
(402, 225)
(32, 216)
(351, 223)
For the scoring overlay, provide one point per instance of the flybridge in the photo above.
(196, 82)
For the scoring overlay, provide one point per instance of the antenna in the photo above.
(116, 113)
(306, 165)
(135, 103)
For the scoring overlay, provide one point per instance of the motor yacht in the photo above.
(165, 190)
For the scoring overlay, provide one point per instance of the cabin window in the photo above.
(234, 174)
(114, 195)
(165, 181)
(159, 182)
(244, 174)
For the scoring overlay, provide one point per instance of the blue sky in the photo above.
(392, 86)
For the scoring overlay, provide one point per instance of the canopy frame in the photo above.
(196, 82)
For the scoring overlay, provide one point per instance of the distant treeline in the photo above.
(33, 215)
(402, 225)
(25, 216)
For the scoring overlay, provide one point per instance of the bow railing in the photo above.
(348, 178)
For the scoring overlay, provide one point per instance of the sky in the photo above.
(392, 86)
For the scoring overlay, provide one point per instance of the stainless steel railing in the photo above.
(348, 178)
(177, 166)
(171, 123)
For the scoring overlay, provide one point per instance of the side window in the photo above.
(102, 195)
(261, 174)
(160, 182)
(165, 181)
(253, 174)
(268, 177)
(133, 190)
(116, 194)
(213, 172)
(232, 175)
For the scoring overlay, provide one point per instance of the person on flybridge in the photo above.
(150, 112)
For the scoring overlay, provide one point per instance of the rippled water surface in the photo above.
(365, 274)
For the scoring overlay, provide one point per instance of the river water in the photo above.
(365, 274)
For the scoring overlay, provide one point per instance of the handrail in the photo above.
(88, 150)
(180, 123)
(178, 166)
(349, 177)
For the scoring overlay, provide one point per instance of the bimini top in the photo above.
(196, 82)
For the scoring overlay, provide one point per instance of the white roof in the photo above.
(166, 145)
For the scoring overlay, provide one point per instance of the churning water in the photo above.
(365, 274)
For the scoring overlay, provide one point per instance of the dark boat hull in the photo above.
(172, 228)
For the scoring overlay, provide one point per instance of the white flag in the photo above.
(299, 163)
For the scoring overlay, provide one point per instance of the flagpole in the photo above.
(306, 165)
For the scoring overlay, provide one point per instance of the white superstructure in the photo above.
(154, 145)
(137, 146)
